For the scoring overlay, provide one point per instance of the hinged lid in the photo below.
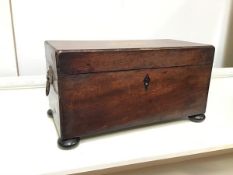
(75, 57)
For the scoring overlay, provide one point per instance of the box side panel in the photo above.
(90, 62)
(101, 102)
(54, 90)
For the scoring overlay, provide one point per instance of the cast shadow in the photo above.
(228, 52)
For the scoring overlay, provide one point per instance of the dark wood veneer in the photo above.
(104, 86)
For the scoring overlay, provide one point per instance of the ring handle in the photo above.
(49, 81)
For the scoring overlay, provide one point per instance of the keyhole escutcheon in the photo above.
(146, 81)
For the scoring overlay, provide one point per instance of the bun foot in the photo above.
(197, 118)
(50, 113)
(68, 144)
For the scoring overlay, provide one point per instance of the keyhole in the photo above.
(146, 81)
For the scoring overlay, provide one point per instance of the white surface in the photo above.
(7, 52)
(23, 82)
(204, 21)
(213, 165)
(28, 136)
(222, 72)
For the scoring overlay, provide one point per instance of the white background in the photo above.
(7, 52)
(205, 21)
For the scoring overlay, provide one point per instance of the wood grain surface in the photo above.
(101, 102)
(115, 45)
(99, 85)
(86, 62)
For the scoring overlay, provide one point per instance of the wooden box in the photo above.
(96, 87)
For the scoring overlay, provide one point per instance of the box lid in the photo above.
(100, 56)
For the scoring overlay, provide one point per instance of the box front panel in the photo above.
(100, 102)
